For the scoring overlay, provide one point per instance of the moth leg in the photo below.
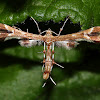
(53, 51)
(43, 68)
(16, 28)
(63, 25)
(52, 80)
(44, 51)
(44, 84)
(36, 25)
(58, 65)
(53, 62)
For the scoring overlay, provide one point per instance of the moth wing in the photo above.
(92, 34)
(29, 43)
(68, 44)
(7, 32)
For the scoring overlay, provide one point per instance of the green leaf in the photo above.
(84, 11)
(82, 86)
(18, 83)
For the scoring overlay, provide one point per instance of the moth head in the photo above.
(49, 32)
(46, 75)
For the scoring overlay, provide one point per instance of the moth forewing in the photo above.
(92, 34)
(18, 34)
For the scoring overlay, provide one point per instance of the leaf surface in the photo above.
(84, 11)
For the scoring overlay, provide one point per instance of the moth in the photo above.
(68, 41)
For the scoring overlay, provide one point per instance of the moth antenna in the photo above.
(44, 85)
(58, 65)
(63, 25)
(36, 24)
(52, 80)
(43, 32)
(55, 33)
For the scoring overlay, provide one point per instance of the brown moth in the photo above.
(68, 41)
